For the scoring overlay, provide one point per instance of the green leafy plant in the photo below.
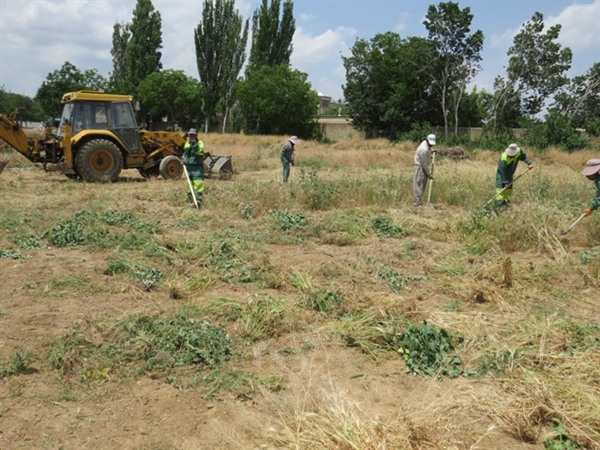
(384, 227)
(29, 242)
(288, 221)
(149, 277)
(10, 254)
(326, 302)
(561, 441)
(429, 350)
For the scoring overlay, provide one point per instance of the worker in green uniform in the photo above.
(592, 172)
(505, 172)
(193, 158)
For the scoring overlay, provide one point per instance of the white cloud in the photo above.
(402, 23)
(580, 26)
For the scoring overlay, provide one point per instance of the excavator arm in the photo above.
(12, 133)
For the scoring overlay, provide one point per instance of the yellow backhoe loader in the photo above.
(97, 137)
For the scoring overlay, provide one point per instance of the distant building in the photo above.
(324, 103)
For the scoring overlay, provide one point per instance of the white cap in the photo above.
(293, 140)
(512, 150)
(431, 139)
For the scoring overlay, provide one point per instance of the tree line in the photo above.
(396, 87)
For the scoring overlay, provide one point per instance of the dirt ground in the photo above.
(39, 411)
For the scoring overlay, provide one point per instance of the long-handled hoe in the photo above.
(187, 177)
(505, 188)
(431, 173)
(563, 232)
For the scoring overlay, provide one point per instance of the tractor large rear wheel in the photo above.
(171, 167)
(99, 160)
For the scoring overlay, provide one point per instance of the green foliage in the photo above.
(149, 277)
(220, 40)
(262, 318)
(536, 70)
(143, 56)
(457, 56)
(394, 280)
(142, 343)
(271, 35)
(561, 441)
(29, 241)
(173, 94)
(288, 221)
(19, 363)
(72, 232)
(67, 79)
(384, 227)
(317, 193)
(385, 90)
(429, 350)
(325, 301)
(10, 254)
(30, 110)
(86, 228)
(278, 100)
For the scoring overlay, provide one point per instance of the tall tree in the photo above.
(143, 55)
(67, 79)
(580, 100)
(220, 39)
(278, 100)
(536, 70)
(120, 40)
(457, 57)
(387, 88)
(271, 37)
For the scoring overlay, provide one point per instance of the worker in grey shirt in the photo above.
(422, 168)
(287, 157)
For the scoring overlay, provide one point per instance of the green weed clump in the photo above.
(385, 227)
(19, 363)
(142, 344)
(428, 350)
(288, 221)
(10, 254)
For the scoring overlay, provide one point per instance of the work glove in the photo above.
(587, 211)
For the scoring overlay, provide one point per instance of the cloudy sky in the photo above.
(38, 36)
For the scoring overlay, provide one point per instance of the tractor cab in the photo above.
(90, 113)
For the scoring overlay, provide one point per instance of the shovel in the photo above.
(505, 188)
(563, 232)
(187, 177)
(431, 176)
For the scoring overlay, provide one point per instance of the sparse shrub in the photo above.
(262, 318)
(316, 193)
(19, 363)
(248, 211)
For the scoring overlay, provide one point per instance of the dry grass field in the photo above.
(328, 313)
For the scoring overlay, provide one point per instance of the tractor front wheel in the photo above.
(171, 167)
(99, 160)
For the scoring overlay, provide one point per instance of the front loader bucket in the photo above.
(3, 163)
(218, 165)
